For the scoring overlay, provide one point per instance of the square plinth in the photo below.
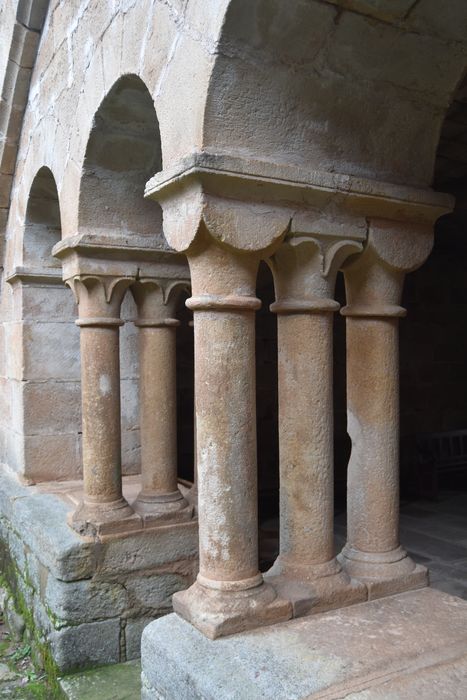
(405, 646)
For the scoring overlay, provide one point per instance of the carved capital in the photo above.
(157, 300)
(305, 269)
(99, 298)
(251, 205)
(223, 279)
(374, 280)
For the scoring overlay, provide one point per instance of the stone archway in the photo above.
(123, 152)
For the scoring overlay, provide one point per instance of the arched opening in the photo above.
(123, 152)
(42, 228)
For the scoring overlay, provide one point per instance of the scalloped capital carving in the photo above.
(305, 269)
(374, 280)
(157, 299)
(99, 296)
(241, 225)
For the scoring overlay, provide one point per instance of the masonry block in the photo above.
(91, 644)
(89, 599)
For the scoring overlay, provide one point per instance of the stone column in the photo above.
(229, 594)
(306, 569)
(160, 497)
(99, 299)
(374, 283)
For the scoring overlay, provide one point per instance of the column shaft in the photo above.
(103, 508)
(159, 498)
(374, 283)
(100, 391)
(158, 410)
(306, 439)
(226, 439)
(373, 425)
(229, 594)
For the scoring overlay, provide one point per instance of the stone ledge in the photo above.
(389, 648)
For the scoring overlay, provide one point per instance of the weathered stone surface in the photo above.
(133, 631)
(170, 545)
(68, 584)
(91, 644)
(42, 521)
(79, 601)
(154, 591)
(362, 649)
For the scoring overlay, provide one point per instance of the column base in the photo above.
(167, 507)
(91, 519)
(218, 613)
(383, 573)
(315, 588)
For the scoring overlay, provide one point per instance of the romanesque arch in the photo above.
(123, 151)
(42, 227)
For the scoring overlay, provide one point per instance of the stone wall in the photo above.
(86, 602)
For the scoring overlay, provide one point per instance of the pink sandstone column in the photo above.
(159, 498)
(306, 569)
(99, 300)
(374, 283)
(229, 594)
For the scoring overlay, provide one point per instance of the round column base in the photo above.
(383, 573)
(217, 613)
(314, 587)
(90, 519)
(171, 507)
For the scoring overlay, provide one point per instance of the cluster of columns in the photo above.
(230, 593)
(225, 238)
(226, 223)
(103, 507)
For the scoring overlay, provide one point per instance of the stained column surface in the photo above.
(226, 455)
(100, 387)
(158, 409)
(99, 302)
(373, 425)
(229, 594)
(306, 440)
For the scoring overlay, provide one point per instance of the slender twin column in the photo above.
(306, 570)
(374, 283)
(159, 498)
(99, 299)
(103, 507)
(229, 594)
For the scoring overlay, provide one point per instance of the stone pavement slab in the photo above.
(115, 682)
(396, 648)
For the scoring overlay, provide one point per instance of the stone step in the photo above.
(114, 682)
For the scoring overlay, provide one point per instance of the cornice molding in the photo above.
(221, 173)
(35, 278)
(133, 257)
